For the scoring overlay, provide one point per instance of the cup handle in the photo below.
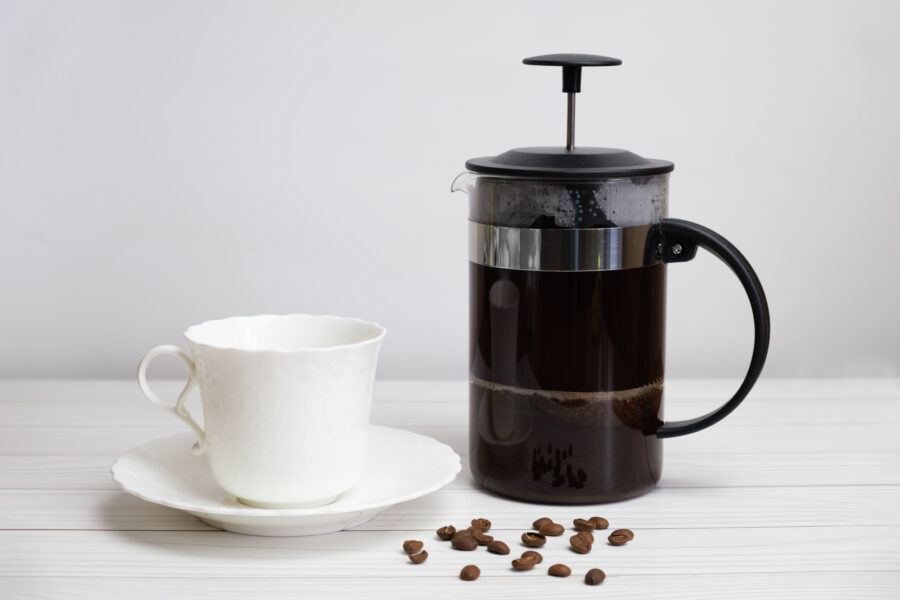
(178, 410)
(676, 241)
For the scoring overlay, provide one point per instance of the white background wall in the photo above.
(163, 163)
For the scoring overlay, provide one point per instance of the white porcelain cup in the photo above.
(285, 400)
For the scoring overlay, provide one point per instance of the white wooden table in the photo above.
(795, 495)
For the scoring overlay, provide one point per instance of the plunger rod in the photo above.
(570, 122)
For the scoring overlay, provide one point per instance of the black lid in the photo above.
(568, 161)
(557, 161)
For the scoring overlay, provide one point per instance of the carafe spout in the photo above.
(464, 182)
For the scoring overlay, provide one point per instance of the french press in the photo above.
(568, 248)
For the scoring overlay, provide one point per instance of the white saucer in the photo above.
(401, 466)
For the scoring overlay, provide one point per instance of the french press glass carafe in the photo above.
(568, 248)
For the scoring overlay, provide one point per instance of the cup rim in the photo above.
(190, 333)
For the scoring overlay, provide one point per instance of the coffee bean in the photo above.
(542, 521)
(618, 539)
(579, 544)
(483, 524)
(586, 536)
(559, 571)
(473, 530)
(533, 555)
(412, 546)
(594, 577)
(469, 573)
(523, 564)
(599, 522)
(483, 539)
(446, 532)
(419, 557)
(533, 540)
(552, 529)
(498, 547)
(463, 542)
(582, 525)
(626, 532)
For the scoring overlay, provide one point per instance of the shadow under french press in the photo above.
(563, 503)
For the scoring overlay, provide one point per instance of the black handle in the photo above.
(676, 241)
(571, 64)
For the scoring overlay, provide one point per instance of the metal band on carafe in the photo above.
(528, 249)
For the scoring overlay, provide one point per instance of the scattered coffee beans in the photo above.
(586, 536)
(414, 550)
(419, 557)
(620, 537)
(524, 564)
(463, 541)
(469, 573)
(533, 540)
(483, 539)
(476, 535)
(594, 577)
(551, 529)
(580, 544)
(498, 547)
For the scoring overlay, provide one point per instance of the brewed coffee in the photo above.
(566, 382)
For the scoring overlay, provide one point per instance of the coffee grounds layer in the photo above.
(537, 447)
